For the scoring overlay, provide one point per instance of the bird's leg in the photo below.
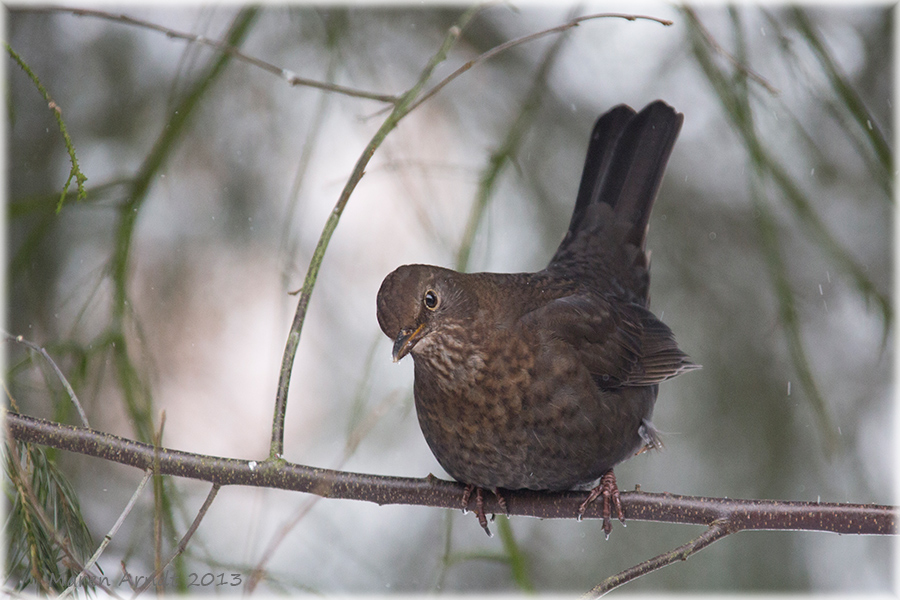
(610, 492)
(479, 511)
(479, 505)
(465, 498)
(501, 500)
(650, 437)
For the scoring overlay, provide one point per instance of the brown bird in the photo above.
(547, 380)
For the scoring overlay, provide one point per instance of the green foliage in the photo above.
(770, 184)
(75, 172)
(34, 558)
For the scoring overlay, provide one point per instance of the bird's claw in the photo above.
(608, 489)
(479, 505)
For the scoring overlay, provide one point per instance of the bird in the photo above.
(547, 380)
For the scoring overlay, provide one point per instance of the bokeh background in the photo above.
(209, 183)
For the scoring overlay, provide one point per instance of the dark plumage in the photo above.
(547, 380)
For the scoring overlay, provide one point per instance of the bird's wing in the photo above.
(620, 344)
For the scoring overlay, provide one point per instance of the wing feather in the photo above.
(620, 344)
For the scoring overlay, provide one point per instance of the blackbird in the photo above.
(547, 380)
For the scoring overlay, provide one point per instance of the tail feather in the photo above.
(600, 153)
(625, 163)
(639, 161)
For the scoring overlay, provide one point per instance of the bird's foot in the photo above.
(479, 505)
(501, 501)
(650, 437)
(608, 489)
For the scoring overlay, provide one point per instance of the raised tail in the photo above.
(626, 160)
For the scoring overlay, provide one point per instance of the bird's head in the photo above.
(416, 301)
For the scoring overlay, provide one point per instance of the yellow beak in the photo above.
(405, 341)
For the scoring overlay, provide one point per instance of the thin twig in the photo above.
(289, 76)
(75, 171)
(717, 530)
(259, 570)
(353, 440)
(157, 500)
(506, 152)
(405, 104)
(400, 110)
(137, 398)
(856, 108)
(523, 40)
(109, 536)
(307, 152)
(182, 544)
(767, 168)
(740, 66)
(62, 378)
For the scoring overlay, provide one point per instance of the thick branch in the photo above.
(639, 506)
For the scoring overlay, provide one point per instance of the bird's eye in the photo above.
(431, 300)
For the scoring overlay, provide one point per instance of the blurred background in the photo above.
(209, 181)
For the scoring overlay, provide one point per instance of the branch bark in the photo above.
(716, 531)
(863, 519)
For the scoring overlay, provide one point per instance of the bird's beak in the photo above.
(406, 340)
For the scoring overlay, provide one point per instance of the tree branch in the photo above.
(292, 78)
(182, 545)
(402, 106)
(35, 508)
(717, 530)
(71, 590)
(524, 40)
(59, 374)
(75, 171)
(401, 109)
(865, 519)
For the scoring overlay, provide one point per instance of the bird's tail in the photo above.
(625, 163)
